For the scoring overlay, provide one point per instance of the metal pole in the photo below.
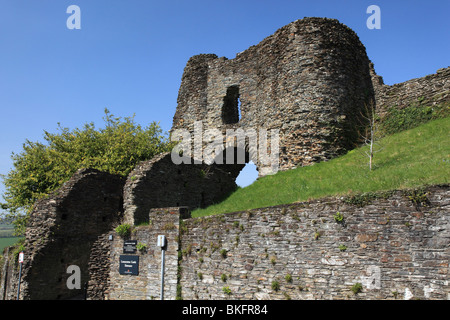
(85, 290)
(162, 272)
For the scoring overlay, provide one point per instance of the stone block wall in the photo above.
(62, 229)
(159, 183)
(99, 265)
(9, 274)
(309, 80)
(428, 91)
(396, 245)
(146, 285)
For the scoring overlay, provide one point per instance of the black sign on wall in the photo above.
(129, 246)
(129, 265)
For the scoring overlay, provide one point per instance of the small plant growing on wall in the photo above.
(226, 290)
(356, 288)
(124, 230)
(288, 278)
(342, 247)
(275, 285)
(223, 253)
(273, 261)
(286, 296)
(142, 247)
(178, 295)
(338, 217)
(418, 197)
(169, 226)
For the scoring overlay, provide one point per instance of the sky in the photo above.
(129, 56)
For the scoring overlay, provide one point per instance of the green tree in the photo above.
(40, 168)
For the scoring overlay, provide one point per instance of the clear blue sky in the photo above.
(129, 55)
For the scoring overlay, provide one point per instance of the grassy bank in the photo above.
(6, 242)
(6, 236)
(411, 158)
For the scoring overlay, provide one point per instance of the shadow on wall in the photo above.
(160, 183)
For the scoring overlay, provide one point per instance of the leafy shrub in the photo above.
(124, 230)
(42, 167)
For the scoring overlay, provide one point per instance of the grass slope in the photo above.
(6, 230)
(6, 242)
(411, 158)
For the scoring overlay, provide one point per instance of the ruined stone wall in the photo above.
(309, 80)
(146, 285)
(159, 183)
(396, 245)
(72, 225)
(99, 266)
(62, 230)
(9, 274)
(429, 91)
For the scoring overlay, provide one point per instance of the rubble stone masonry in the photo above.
(309, 80)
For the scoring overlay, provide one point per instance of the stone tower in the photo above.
(309, 80)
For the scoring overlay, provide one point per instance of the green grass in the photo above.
(6, 242)
(6, 236)
(6, 230)
(410, 159)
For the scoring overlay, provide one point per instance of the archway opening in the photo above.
(248, 175)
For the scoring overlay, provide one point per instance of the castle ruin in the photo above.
(310, 80)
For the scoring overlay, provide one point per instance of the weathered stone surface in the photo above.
(159, 183)
(409, 253)
(310, 79)
(408, 257)
(366, 237)
(428, 91)
(62, 230)
(146, 285)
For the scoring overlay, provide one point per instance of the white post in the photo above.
(162, 245)
(20, 273)
(162, 273)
